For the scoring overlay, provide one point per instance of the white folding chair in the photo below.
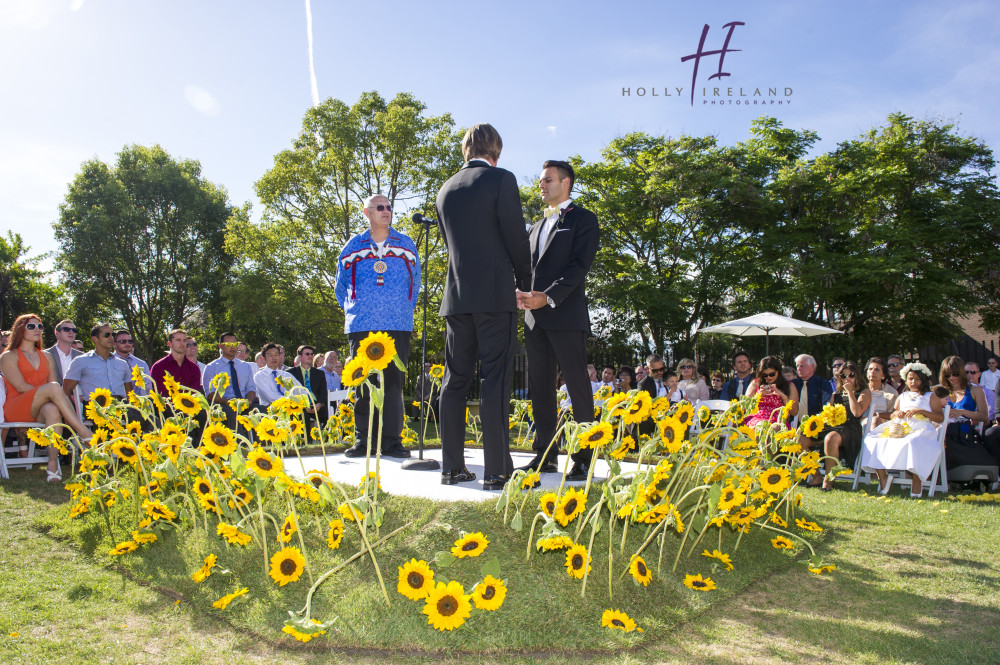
(336, 397)
(866, 427)
(28, 461)
(713, 405)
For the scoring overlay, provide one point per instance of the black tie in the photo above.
(235, 380)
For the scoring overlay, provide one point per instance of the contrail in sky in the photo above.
(312, 67)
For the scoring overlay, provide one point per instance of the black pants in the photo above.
(568, 349)
(490, 337)
(392, 406)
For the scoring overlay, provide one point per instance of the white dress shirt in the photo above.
(267, 387)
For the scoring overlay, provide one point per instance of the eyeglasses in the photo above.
(895, 364)
(123, 341)
(656, 370)
(229, 345)
(381, 207)
(34, 326)
(847, 375)
(769, 375)
(68, 329)
(687, 367)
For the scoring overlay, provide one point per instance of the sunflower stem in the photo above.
(590, 548)
(298, 533)
(611, 552)
(531, 535)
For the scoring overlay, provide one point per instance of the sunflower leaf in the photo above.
(714, 494)
(491, 567)
(516, 523)
(597, 523)
(443, 559)
(327, 494)
(237, 463)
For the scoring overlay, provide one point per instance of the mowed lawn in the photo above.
(916, 582)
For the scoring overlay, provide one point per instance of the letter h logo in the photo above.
(720, 52)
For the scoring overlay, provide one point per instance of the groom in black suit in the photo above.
(480, 218)
(563, 246)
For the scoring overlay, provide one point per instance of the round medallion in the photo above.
(380, 266)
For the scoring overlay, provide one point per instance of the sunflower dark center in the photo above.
(127, 451)
(489, 592)
(617, 623)
(375, 351)
(698, 583)
(447, 606)
(641, 567)
(595, 436)
(264, 464)
(219, 439)
(415, 579)
(204, 488)
(682, 418)
(577, 561)
(571, 506)
(549, 507)
(470, 546)
(774, 478)
(316, 481)
(288, 566)
(358, 373)
(668, 435)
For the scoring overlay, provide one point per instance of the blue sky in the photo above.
(226, 82)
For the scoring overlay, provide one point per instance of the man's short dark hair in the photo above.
(96, 330)
(565, 170)
(120, 332)
(223, 336)
(62, 323)
(298, 351)
(743, 353)
(173, 333)
(267, 347)
(482, 140)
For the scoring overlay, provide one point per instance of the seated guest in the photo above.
(895, 363)
(313, 380)
(259, 361)
(967, 400)
(690, 382)
(916, 451)
(266, 380)
(32, 392)
(78, 345)
(607, 379)
(175, 363)
(844, 441)
(240, 384)
(594, 383)
(123, 349)
(837, 363)
(740, 383)
(330, 371)
(789, 373)
(191, 353)
(814, 393)
(775, 392)
(883, 395)
(62, 351)
(626, 380)
(641, 372)
(715, 392)
(654, 382)
(973, 374)
(671, 386)
(100, 368)
(243, 353)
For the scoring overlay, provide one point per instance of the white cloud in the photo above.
(551, 129)
(202, 101)
(76, 5)
(18, 16)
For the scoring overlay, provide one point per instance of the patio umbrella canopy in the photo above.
(769, 323)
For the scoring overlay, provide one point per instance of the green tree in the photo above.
(313, 196)
(24, 288)
(143, 241)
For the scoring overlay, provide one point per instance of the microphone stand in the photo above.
(421, 464)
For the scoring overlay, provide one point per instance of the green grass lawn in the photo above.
(913, 584)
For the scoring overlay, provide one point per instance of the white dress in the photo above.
(917, 452)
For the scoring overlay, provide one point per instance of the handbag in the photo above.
(963, 434)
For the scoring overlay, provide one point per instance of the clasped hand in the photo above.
(532, 300)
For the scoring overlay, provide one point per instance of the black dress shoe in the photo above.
(537, 464)
(495, 482)
(462, 475)
(356, 451)
(397, 451)
(579, 471)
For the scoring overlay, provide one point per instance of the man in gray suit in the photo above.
(481, 222)
(63, 352)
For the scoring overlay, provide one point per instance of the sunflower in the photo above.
(640, 571)
(202, 487)
(377, 350)
(671, 433)
(618, 621)
(571, 504)
(101, 397)
(489, 594)
(554, 543)
(447, 607)
(436, 371)
(775, 480)
(186, 403)
(732, 496)
(156, 510)
(819, 570)
(638, 409)
(808, 526)
(595, 436)
(288, 529)
(548, 503)
(615, 406)
(834, 414)
(812, 426)
(776, 520)
(123, 548)
(699, 583)
(262, 464)
(577, 561)
(269, 431)
(416, 579)
(336, 533)
(219, 439)
(627, 444)
(299, 635)
(205, 571)
(349, 512)
(781, 543)
(232, 535)
(138, 378)
(659, 408)
(126, 450)
(223, 603)
(684, 413)
(81, 507)
(143, 537)
(287, 566)
(531, 480)
(472, 544)
(354, 372)
(723, 558)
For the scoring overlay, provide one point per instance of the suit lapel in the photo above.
(555, 227)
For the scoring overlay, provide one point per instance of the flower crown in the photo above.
(915, 367)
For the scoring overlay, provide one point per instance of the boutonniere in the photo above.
(562, 215)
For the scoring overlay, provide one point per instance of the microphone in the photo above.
(420, 219)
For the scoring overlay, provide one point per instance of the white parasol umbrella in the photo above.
(767, 324)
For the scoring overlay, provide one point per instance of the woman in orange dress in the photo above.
(33, 395)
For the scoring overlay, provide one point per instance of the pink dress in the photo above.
(767, 410)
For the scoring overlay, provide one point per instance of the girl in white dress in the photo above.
(918, 451)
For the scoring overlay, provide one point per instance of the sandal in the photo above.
(53, 476)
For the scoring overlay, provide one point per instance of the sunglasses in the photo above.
(381, 208)
(104, 334)
(656, 370)
(229, 345)
(895, 364)
(973, 372)
(836, 365)
(847, 375)
(687, 367)
(68, 329)
(34, 326)
(123, 341)
(190, 344)
(769, 375)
